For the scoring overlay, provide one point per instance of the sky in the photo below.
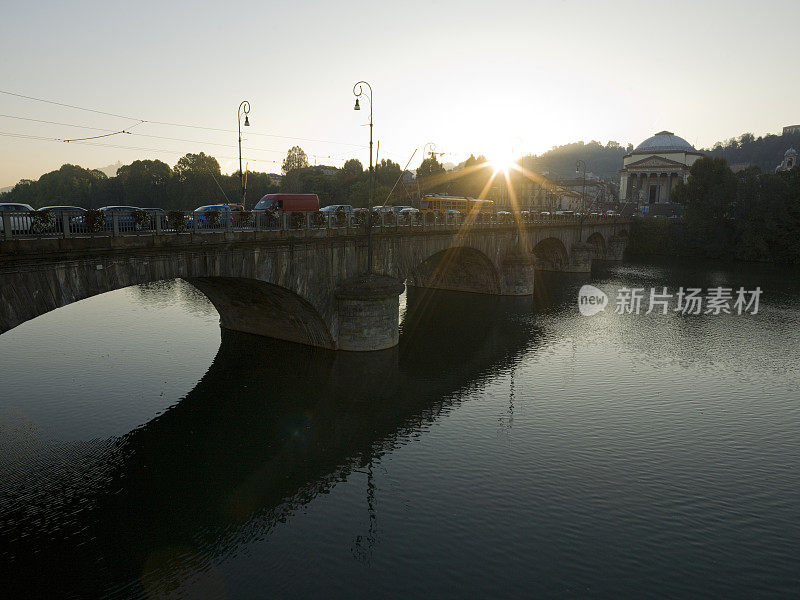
(495, 78)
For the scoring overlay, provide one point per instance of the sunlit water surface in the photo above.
(508, 448)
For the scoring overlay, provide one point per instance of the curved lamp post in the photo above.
(578, 165)
(433, 150)
(244, 108)
(358, 91)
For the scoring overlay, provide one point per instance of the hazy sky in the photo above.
(482, 77)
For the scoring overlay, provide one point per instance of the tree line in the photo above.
(749, 215)
(196, 180)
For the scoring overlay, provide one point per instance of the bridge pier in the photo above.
(580, 258)
(616, 247)
(517, 274)
(368, 307)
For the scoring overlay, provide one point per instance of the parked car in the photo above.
(544, 213)
(289, 203)
(408, 210)
(19, 223)
(337, 208)
(124, 214)
(201, 217)
(72, 211)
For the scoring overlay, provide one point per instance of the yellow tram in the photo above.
(440, 204)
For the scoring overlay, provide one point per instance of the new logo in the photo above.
(591, 300)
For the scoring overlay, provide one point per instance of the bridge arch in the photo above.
(460, 268)
(244, 301)
(598, 241)
(262, 308)
(551, 255)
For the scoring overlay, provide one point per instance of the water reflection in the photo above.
(269, 426)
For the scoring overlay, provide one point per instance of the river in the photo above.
(508, 448)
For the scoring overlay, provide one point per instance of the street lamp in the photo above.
(433, 150)
(359, 86)
(244, 107)
(578, 165)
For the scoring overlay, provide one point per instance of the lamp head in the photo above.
(357, 106)
(246, 121)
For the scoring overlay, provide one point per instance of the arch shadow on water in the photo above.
(268, 427)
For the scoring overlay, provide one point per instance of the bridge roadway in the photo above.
(305, 285)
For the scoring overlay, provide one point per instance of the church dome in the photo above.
(664, 141)
(790, 152)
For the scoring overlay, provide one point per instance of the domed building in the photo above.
(789, 161)
(651, 171)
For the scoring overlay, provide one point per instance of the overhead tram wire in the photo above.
(158, 137)
(95, 137)
(170, 124)
(139, 148)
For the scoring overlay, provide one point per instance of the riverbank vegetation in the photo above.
(749, 215)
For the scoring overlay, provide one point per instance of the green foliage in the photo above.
(472, 179)
(429, 167)
(194, 165)
(176, 220)
(747, 216)
(295, 159)
(43, 220)
(141, 219)
(144, 182)
(709, 192)
(603, 161)
(70, 184)
(213, 218)
(351, 171)
(95, 219)
(247, 219)
(765, 152)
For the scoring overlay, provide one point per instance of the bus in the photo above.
(440, 204)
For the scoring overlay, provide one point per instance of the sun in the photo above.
(502, 161)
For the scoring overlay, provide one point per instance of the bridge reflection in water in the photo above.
(270, 425)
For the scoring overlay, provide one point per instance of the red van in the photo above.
(289, 202)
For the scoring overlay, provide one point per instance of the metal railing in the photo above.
(38, 224)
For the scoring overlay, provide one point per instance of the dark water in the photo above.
(508, 448)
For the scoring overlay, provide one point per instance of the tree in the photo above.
(429, 167)
(144, 182)
(709, 192)
(295, 159)
(387, 172)
(471, 180)
(196, 182)
(196, 164)
(70, 184)
(351, 171)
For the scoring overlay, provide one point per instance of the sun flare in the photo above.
(502, 162)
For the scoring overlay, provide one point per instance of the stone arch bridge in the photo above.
(303, 285)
